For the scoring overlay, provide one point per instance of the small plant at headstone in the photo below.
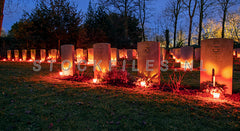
(118, 77)
(175, 80)
(207, 87)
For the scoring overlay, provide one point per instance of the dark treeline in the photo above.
(56, 22)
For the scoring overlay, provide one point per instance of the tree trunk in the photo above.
(200, 24)
(223, 22)
(175, 32)
(1, 14)
(190, 31)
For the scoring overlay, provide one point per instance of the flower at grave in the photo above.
(215, 92)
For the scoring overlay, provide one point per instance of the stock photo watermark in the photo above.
(149, 65)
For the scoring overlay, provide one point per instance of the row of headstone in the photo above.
(52, 54)
(149, 54)
(236, 52)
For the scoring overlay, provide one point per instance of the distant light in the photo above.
(12, 59)
(95, 80)
(30, 60)
(20, 59)
(60, 73)
(143, 84)
(4, 59)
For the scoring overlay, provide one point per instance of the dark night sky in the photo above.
(13, 11)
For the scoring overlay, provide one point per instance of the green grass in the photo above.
(34, 101)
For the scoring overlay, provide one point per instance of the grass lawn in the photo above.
(37, 101)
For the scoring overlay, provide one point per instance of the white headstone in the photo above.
(129, 54)
(16, 55)
(90, 56)
(79, 54)
(24, 54)
(67, 56)
(43, 55)
(187, 57)
(33, 54)
(217, 54)
(114, 56)
(102, 53)
(149, 59)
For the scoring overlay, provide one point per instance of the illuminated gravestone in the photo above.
(79, 55)
(49, 54)
(85, 55)
(16, 55)
(177, 55)
(122, 53)
(24, 55)
(33, 54)
(102, 55)
(187, 57)
(43, 55)
(217, 54)
(149, 59)
(197, 53)
(114, 56)
(90, 56)
(238, 52)
(129, 54)
(9, 54)
(163, 53)
(135, 56)
(54, 54)
(67, 56)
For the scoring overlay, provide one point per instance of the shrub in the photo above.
(119, 78)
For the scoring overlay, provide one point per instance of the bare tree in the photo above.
(203, 7)
(191, 6)
(173, 10)
(225, 5)
(1, 14)
(143, 15)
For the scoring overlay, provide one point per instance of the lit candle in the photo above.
(213, 77)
